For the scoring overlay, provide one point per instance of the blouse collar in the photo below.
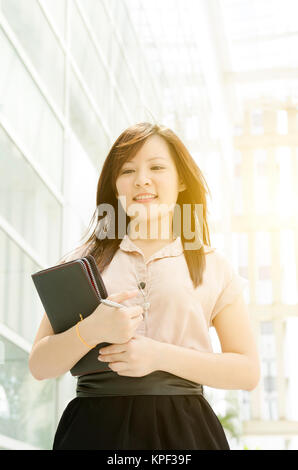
(174, 248)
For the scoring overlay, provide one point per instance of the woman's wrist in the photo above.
(157, 352)
(87, 331)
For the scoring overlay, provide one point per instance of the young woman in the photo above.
(150, 396)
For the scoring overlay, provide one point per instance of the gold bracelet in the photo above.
(80, 337)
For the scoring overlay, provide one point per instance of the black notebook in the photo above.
(66, 291)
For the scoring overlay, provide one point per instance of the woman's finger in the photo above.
(115, 348)
(118, 366)
(111, 357)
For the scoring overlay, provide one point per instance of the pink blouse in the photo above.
(178, 313)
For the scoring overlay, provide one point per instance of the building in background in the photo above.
(74, 74)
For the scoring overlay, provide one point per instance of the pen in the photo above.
(110, 303)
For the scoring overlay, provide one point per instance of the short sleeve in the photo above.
(233, 285)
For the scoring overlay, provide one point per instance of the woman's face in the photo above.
(153, 171)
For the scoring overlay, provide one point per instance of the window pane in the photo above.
(27, 204)
(121, 18)
(288, 267)
(86, 125)
(96, 13)
(20, 306)
(261, 182)
(268, 367)
(238, 183)
(290, 364)
(128, 91)
(240, 258)
(285, 200)
(213, 172)
(95, 74)
(27, 409)
(28, 113)
(256, 122)
(282, 122)
(107, 41)
(39, 42)
(264, 275)
(56, 9)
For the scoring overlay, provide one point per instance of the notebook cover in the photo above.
(66, 290)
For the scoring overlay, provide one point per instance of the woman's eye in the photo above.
(153, 167)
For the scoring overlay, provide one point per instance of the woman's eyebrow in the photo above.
(156, 158)
(149, 159)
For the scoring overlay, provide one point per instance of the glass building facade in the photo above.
(73, 75)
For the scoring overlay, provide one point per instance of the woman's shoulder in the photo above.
(222, 265)
(218, 260)
(216, 255)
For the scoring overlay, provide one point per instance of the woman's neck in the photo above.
(154, 234)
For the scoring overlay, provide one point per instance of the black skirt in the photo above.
(140, 422)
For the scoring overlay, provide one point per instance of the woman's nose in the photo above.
(141, 179)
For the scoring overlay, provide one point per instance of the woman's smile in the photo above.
(145, 199)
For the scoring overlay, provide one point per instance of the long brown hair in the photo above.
(124, 149)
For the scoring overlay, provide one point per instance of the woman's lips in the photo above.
(145, 200)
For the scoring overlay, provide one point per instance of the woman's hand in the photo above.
(112, 324)
(135, 358)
